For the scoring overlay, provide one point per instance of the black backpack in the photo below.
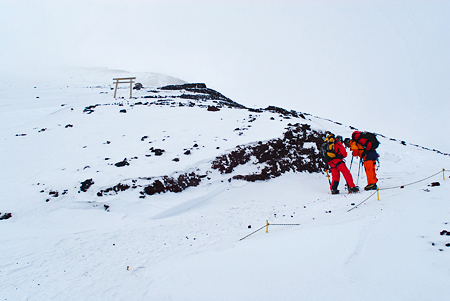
(366, 139)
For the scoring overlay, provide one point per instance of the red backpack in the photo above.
(368, 140)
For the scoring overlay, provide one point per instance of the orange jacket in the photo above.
(357, 149)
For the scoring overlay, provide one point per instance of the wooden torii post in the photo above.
(124, 80)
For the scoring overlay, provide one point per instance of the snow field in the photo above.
(185, 246)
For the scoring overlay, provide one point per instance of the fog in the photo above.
(381, 66)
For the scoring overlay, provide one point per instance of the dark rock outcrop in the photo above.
(277, 156)
(179, 184)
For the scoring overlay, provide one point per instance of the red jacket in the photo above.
(340, 151)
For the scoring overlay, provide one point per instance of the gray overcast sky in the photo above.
(381, 66)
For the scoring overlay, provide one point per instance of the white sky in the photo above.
(381, 66)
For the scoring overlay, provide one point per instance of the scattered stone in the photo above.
(123, 111)
(54, 194)
(213, 109)
(115, 189)
(69, 126)
(157, 151)
(138, 86)
(90, 109)
(188, 152)
(435, 184)
(176, 160)
(281, 111)
(122, 163)
(20, 135)
(5, 216)
(86, 185)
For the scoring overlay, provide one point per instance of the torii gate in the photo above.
(124, 80)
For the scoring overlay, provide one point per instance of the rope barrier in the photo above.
(354, 207)
(252, 233)
(267, 228)
(284, 224)
(400, 186)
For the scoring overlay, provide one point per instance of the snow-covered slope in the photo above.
(77, 167)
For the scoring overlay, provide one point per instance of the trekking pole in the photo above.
(351, 164)
(328, 176)
(359, 168)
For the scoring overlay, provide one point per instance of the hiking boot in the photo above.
(335, 191)
(353, 189)
(371, 187)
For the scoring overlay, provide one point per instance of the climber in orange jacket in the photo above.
(369, 158)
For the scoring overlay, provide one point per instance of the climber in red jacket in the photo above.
(334, 155)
